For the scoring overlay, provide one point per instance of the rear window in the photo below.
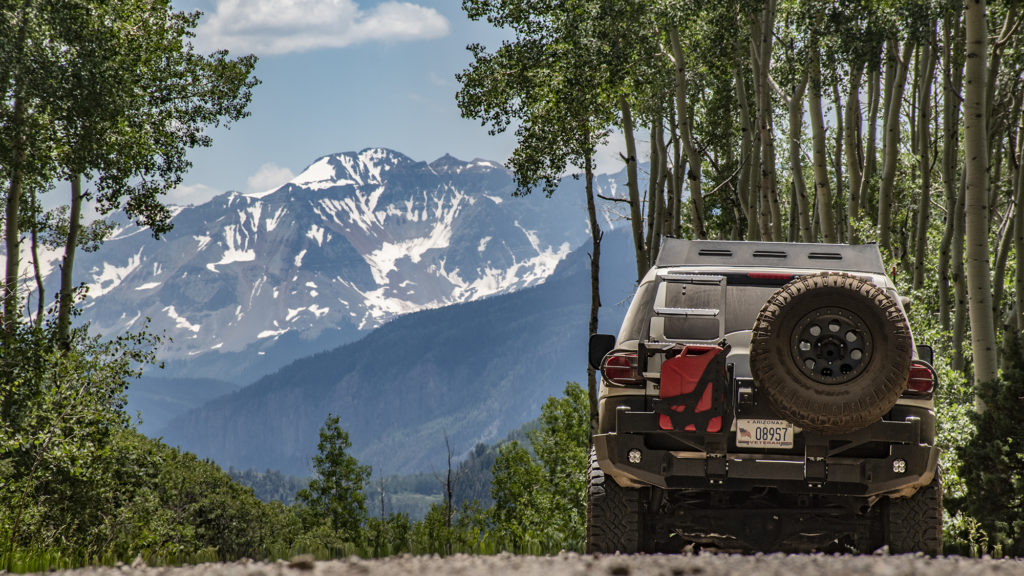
(742, 304)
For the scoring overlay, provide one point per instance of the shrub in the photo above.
(992, 460)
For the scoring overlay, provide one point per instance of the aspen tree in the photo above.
(976, 207)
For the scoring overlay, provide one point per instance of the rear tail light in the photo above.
(621, 368)
(921, 381)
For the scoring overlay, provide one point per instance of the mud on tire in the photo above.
(915, 524)
(613, 513)
(831, 352)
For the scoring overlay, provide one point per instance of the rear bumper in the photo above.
(712, 461)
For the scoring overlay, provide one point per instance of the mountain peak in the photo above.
(448, 164)
(350, 168)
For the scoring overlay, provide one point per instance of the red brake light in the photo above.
(621, 368)
(769, 276)
(921, 381)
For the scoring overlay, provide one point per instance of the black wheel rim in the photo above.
(831, 345)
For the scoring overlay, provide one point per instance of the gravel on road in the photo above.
(571, 564)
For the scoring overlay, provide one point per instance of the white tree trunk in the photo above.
(976, 209)
(693, 175)
(821, 181)
(891, 149)
(924, 118)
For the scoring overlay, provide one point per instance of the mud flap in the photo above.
(694, 390)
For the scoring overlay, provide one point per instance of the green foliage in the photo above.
(541, 498)
(991, 463)
(446, 532)
(520, 503)
(550, 81)
(117, 93)
(474, 475)
(111, 92)
(77, 482)
(270, 485)
(58, 413)
(390, 535)
(471, 482)
(170, 503)
(954, 399)
(335, 494)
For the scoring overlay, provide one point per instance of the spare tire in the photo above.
(831, 352)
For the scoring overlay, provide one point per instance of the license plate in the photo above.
(760, 433)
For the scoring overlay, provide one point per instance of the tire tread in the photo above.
(914, 524)
(613, 513)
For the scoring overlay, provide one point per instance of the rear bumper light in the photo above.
(621, 368)
(921, 381)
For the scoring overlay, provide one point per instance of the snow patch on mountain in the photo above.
(383, 260)
(111, 276)
(273, 221)
(271, 333)
(181, 321)
(530, 272)
(319, 173)
(49, 258)
(316, 233)
(236, 246)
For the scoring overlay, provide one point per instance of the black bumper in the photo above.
(818, 463)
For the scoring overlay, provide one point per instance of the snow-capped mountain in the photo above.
(353, 241)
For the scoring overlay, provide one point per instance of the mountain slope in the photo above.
(158, 400)
(471, 371)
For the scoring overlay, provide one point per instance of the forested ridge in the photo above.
(891, 121)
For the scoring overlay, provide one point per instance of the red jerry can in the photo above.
(693, 388)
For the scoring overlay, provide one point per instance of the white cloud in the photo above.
(191, 194)
(282, 26)
(269, 176)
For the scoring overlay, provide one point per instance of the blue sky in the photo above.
(340, 75)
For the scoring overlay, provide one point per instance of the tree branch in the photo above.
(611, 199)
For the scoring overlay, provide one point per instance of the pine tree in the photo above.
(336, 491)
(992, 461)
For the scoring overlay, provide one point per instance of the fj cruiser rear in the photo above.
(764, 396)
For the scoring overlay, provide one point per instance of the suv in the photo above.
(764, 396)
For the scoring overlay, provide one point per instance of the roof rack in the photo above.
(863, 258)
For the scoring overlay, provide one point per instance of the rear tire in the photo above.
(915, 524)
(614, 513)
(831, 352)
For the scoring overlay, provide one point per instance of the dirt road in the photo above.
(568, 564)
